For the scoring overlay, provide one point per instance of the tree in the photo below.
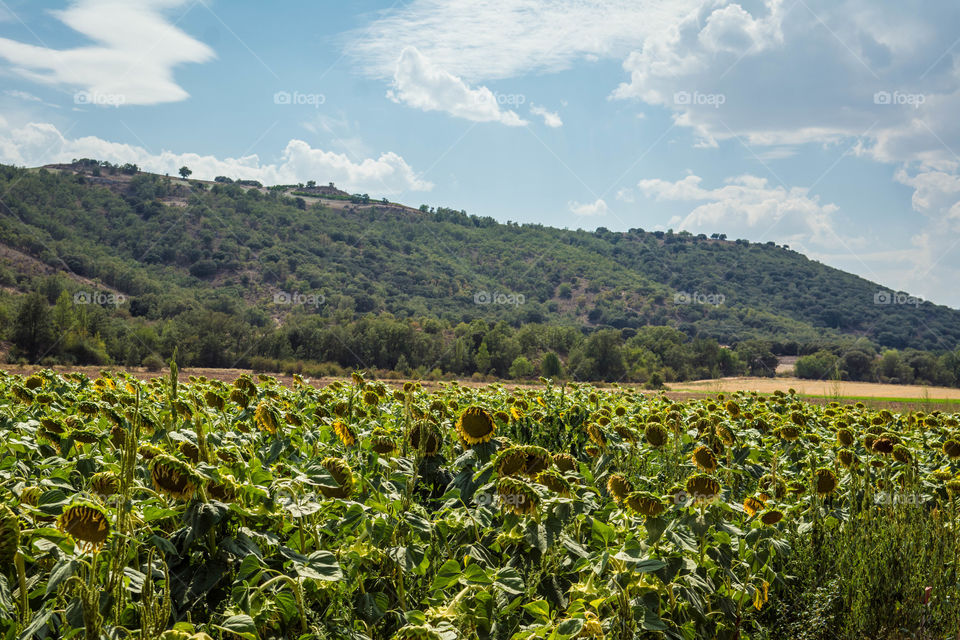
(551, 367)
(521, 368)
(33, 330)
(185, 172)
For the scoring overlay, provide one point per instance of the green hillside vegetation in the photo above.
(103, 264)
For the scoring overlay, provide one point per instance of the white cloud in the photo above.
(495, 39)
(596, 208)
(136, 49)
(747, 206)
(625, 195)
(42, 143)
(550, 118)
(419, 83)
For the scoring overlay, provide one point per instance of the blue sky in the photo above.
(826, 125)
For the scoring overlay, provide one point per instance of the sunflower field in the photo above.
(203, 509)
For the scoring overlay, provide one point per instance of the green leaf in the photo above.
(475, 575)
(448, 574)
(241, 625)
(539, 608)
(603, 534)
(509, 580)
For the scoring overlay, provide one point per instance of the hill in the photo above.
(233, 272)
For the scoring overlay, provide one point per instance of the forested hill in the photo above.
(261, 270)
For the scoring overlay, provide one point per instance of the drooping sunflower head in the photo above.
(31, 495)
(190, 451)
(788, 432)
(475, 425)
(266, 417)
(239, 397)
(554, 481)
(725, 433)
(596, 435)
(619, 487)
(345, 433)
(733, 409)
(951, 447)
(517, 496)
(771, 516)
(883, 445)
(149, 451)
(705, 459)
(752, 505)
(702, 487)
(383, 444)
(901, 454)
(225, 490)
(511, 461)
(645, 503)
(425, 435)
(85, 436)
(9, 535)
(341, 472)
(826, 481)
(214, 400)
(537, 459)
(86, 523)
(105, 483)
(846, 457)
(591, 626)
(565, 462)
(655, 435)
(953, 486)
(173, 477)
(845, 437)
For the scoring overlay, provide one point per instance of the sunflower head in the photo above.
(845, 437)
(883, 445)
(901, 454)
(239, 397)
(266, 417)
(846, 457)
(555, 481)
(341, 472)
(953, 486)
(173, 477)
(826, 481)
(475, 425)
(86, 523)
(788, 432)
(225, 490)
(951, 447)
(725, 433)
(345, 433)
(705, 459)
(591, 626)
(416, 632)
(752, 505)
(733, 409)
(425, 435)
(383, 445)
(190, 451)
(9, 535)
(31, 495)
(565, 462)
(537, 460)
(645, 503)
(618, 487)
(214, 400)
(655, 435)
(702, 487)
(517, 496)
(771, 516)
(596, 435)
(105, 483)
(511, 461)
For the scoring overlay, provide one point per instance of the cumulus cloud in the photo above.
(748, 206)
(136, 47)
(42, 143)
(550, 118)
(421, 84)
(597, 208)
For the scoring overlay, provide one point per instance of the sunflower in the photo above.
(537, 459)
(341, 472)
(845, 437)
(752, 505)
(771, 516)
(595, 433)
(953, 487)
(214, 400)
(592, 451)
(105, 483)
(554, 481)
(517, 496)
(86, 523)
(951, 447)
(883, 445)
(382, 445)
(344, 433)
(9, 535)
(149, 451)
(426, 432)
(645, 503)
(725, 434)
(901, 454)
(190, 451)
(702, 487)
(733, 409)
(476, 426)
(655, 435)
(619, 487)
(705, 459)
(173, 477)
(225, 490)
(846, 457)
(31, 495)
(239, 397)
(826, 481)
(416, 632)
(788, 433)
(266, 417)
(591, 626)
(510, 461)
(565, 462)
(86, 436)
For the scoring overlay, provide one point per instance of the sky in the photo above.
(827, 125)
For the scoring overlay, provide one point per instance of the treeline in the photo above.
(60, 323)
